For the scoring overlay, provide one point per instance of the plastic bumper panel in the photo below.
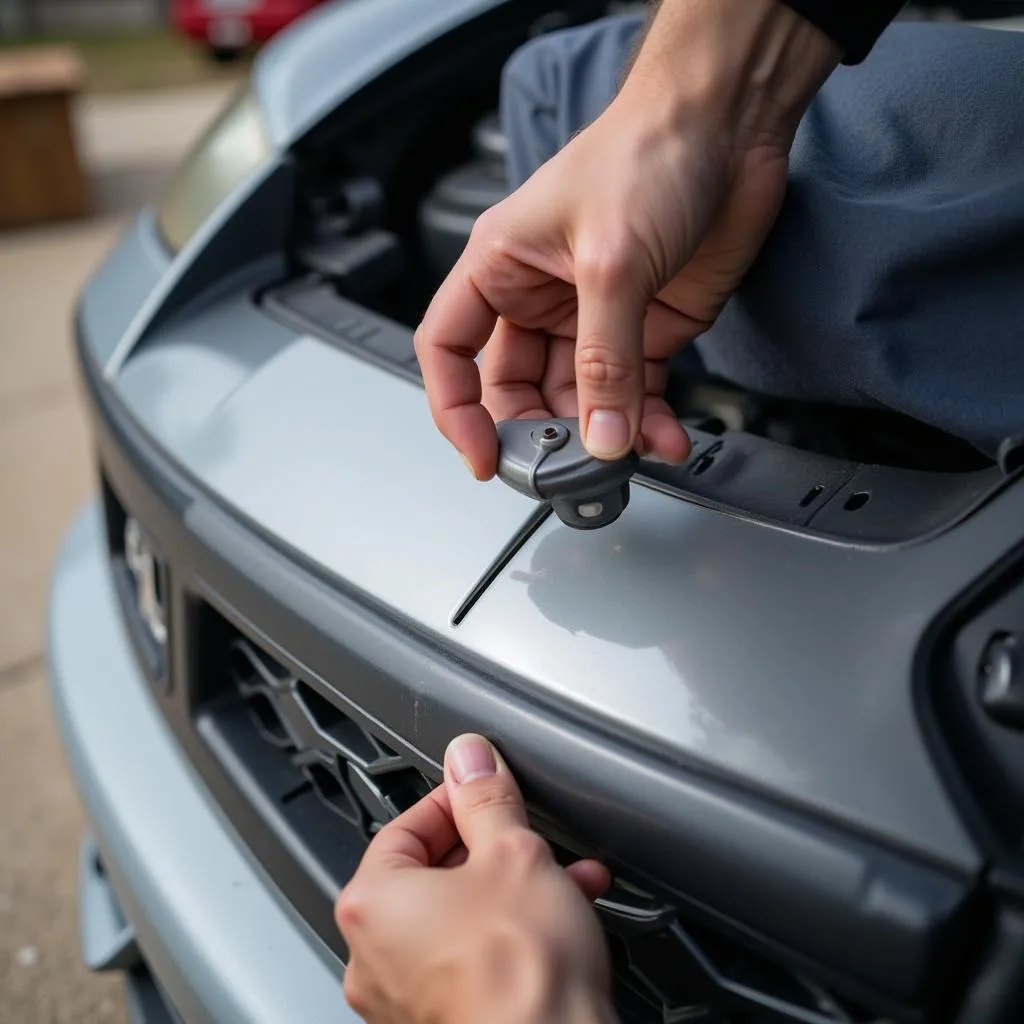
(221, 944)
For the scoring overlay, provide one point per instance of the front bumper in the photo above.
(222, 945)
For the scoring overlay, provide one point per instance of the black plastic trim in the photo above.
(343, 323)
(832, 499)
(974, 757)
(145, 1001)
(152, 655)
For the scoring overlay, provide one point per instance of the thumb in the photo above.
(485, 799)
(609, 357)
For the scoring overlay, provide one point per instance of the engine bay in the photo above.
(388, 189)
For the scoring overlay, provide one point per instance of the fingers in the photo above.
(592, 877)
(513, 366)
(663, 436)
(455, 328)
(455, 857)
(485, 800)
(609, 353)
(421, 837)
(559, 385)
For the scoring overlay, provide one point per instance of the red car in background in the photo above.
(227, 27)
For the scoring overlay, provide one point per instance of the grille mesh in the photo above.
(353, 773)
(667, 968)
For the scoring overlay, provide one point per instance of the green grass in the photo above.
(151, 60)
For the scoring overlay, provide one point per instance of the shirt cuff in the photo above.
(854, 25)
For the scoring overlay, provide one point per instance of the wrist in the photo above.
(588, 1006)
(575, 1003)
(742, 67)
(515, 979)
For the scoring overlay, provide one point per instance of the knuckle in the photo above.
(486, 234)
(419, 341)
(350, 909)
(491, 243)
(606, 265)
(599, 362)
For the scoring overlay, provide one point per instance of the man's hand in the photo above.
(460, 914)
(627, 243)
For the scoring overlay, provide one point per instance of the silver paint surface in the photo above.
(121, 285)
(779, 661)
(338, 459)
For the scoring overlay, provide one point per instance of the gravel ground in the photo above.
(41, 978)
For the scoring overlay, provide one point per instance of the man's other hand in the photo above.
(459, 913)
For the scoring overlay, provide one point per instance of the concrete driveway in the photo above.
(130, 143)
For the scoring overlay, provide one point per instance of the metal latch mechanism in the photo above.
(546, 460)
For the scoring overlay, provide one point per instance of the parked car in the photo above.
(228, 27)
(781, 696)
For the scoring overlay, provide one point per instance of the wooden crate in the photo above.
(41, 174)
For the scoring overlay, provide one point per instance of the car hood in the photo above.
(330, 53)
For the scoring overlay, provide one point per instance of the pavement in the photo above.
(129, 143)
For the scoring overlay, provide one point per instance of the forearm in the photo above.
(747, 63)
(853, 25)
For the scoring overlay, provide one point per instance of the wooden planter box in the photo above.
(41, 175)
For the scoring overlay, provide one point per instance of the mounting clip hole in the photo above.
(857, 500)
(1011, 455)
(812, 495)
(703, 464)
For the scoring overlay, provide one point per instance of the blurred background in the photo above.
(98, 101)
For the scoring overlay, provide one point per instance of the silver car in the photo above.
(781, 696)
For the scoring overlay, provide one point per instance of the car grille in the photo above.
(311, 741)
(355, 775)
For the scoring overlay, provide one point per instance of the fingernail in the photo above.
(470, 757)
(607, 434)
(469, 465)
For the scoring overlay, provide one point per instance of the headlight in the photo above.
(234, 146)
